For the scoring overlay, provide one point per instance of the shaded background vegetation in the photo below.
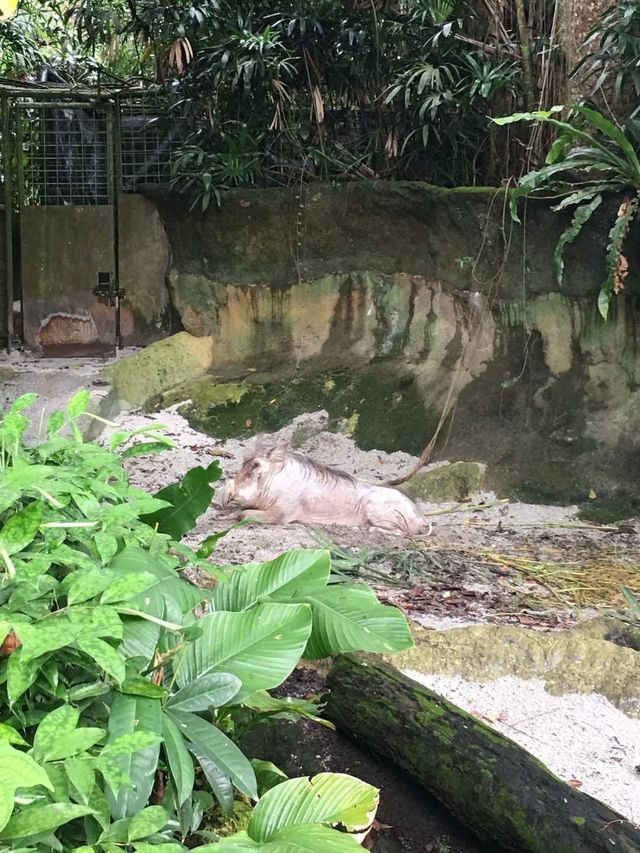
(276, 91)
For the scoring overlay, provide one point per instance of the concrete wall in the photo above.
(64, 248)
(442, 288)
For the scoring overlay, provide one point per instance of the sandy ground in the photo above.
(580, 737)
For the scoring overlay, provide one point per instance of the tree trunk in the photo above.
(489, 783)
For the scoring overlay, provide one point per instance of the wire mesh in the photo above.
(148, 140)
(64, 154)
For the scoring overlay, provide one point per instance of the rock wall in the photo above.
(443, 289)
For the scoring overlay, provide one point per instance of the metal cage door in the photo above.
(66, 191)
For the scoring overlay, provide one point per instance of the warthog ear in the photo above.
(277, 453)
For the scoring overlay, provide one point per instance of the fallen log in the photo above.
(488, 782)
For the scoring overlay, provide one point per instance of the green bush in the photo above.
(118, 706)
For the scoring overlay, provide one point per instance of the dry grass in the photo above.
(592, 581)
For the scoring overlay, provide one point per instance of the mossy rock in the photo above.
(579, 660)
(454, 482)
(379, 406)
(158, 368)
(6, 374)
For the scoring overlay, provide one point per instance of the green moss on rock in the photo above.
(454, 482)
(382, 407)
(576, 661)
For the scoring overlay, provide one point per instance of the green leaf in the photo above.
(17, 770)
(104, 655)
(73, 743)
(580, 217)
(168, 585)
(613, 132)
(21, 528)
(60, 721)
(133, 715)
(55, 422)
(189, 499)
(179, 761)
(617, 236)
(82, 779)
(128, 587)
(267, 775)
(261, 646)
(536, 115)
(137, 685)
(46, 636)
(86, 584)
(216, 746)
(291, 573)
(149, 821)
(9, 734)
(78, 404)
(20, 676)
(328, 798)
(350, 618)
(210, 691)
(35, 820)
(311, 839)
(219, 782)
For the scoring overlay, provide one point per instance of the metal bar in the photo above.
(8, 219)
(59, 105)
(114, 180)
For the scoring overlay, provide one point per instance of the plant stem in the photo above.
(527, 59)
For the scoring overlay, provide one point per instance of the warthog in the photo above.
(278, 486)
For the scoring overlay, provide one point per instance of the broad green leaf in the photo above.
(17, 770)
(128, 587)
(219, 783)
(45, 636)
(179, 761)
(82, 779)
(168, 585)
(264, 703)
(261, 646)
(188, 500)
(21, 528)
(209, 691)
(328, 798)
(267, 775)
(35, 820)
(140, 641)
(137, 685)
(86, 584)
(216, 746)
(57, 723)
(239, 842)
(291, 573)
(104, 655)
(350, 618)
(20, 676)
(311, 839)
(73, 743)
(133, 715)
(169, 847)
(106, 545)
(149, 821)
(9, 734)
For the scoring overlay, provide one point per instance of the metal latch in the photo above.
(107, 289)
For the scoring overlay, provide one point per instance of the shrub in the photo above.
(118, 705)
